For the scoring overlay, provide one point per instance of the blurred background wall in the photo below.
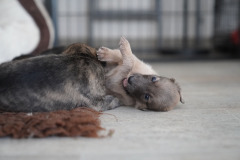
(180, 27)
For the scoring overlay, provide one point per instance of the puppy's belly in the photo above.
(50, 83)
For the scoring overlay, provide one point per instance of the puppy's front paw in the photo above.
(103, 54)
(124, 46)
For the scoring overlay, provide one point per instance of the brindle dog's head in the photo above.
(153, 92)
(80, 48)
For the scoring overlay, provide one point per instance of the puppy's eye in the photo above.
(146, 96)
(154, 79)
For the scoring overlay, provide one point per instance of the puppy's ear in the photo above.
(181, 99)
(179, 91)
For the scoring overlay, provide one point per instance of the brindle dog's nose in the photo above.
(130, 79)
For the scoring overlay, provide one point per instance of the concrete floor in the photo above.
(206, 127)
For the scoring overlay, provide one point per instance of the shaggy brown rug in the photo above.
(77, 122)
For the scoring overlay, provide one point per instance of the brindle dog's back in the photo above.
(53, 82)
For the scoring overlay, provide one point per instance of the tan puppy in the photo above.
(135, 83)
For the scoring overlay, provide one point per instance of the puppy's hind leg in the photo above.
(127, 55)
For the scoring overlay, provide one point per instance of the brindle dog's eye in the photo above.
(154, 79)
(146, 96)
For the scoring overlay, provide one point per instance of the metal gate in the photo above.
(160, 26)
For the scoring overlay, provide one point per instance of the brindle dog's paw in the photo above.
(124, 46)
(104, 54)
(110, 102)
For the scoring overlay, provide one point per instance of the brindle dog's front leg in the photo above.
(110, 102)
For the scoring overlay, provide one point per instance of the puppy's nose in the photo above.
(130, 79)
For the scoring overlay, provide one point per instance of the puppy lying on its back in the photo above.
(135, 83)
(72, 79)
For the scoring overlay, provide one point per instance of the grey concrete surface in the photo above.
(206, 127)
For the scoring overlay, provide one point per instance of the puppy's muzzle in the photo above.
(130, 79)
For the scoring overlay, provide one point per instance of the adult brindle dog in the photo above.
(51, 82)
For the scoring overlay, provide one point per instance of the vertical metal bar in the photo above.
(141, 41)
(238, 27)
(197, 23)
(159, 23)
(52, 7)
(185, 24)
(218, 10)
(68, 20)
(79, 17)
(216, 4)
(91, 12)
(238, 14)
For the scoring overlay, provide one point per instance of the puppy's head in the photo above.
(153, 92)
